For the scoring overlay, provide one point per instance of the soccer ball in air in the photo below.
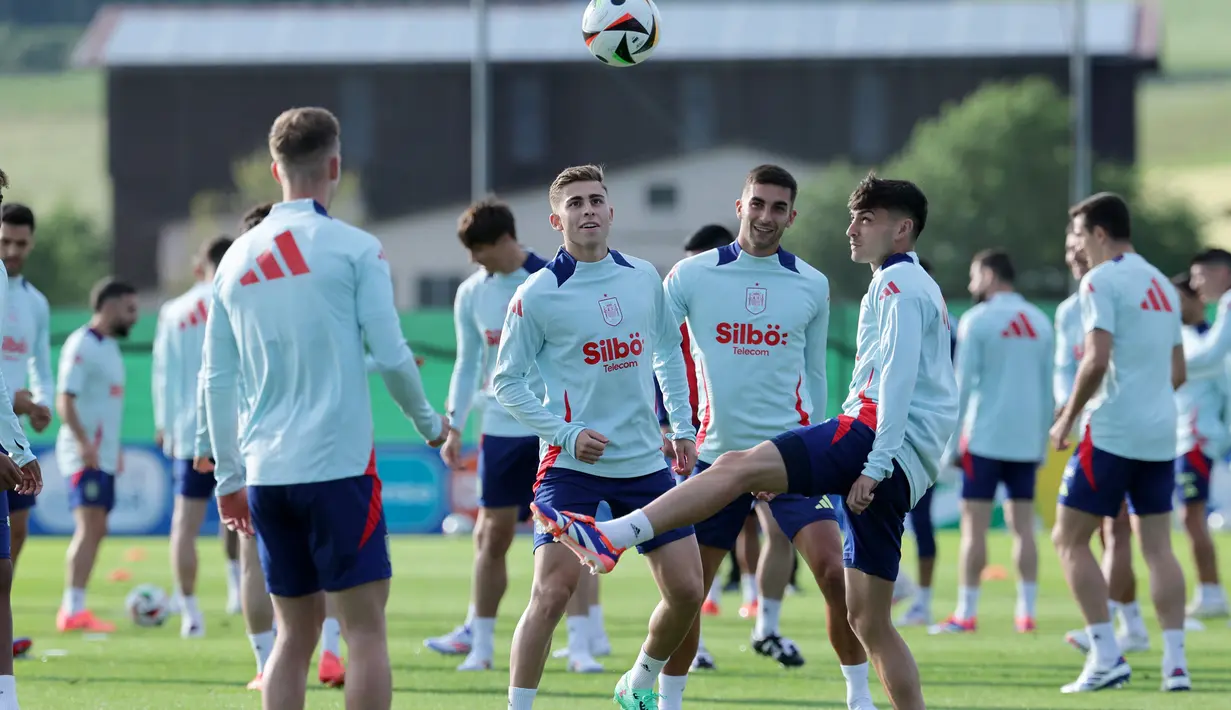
(148, 605)
(621, 33)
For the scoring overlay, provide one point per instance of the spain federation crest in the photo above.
(754, 300)
(612, 315)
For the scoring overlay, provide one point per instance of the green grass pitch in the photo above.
(139, 669)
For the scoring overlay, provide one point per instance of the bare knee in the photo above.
(493, 536)
(684, 591)
(550, 596)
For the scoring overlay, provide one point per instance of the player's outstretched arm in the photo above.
(671, 308)
(967, 365)
(816, 353)
(901, 342)
(382, 329)
(521, 340)
(468, 366)
(220, 374)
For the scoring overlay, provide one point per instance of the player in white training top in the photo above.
(1116, 534)
(26, 356)
(178, 341)
(1004, 376)
(1131, 365)
(20, 472)
(596, 325)
(883, 453)
(1211, 278)
(90, 402)
(294, 302)
(508, 451)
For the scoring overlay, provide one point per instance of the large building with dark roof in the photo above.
(191, 90)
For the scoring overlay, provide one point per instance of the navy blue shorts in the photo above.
(1096, 482)
(327, 536)
(189, 483)
(1192, 477)
(507, 468)
(93, 488)
(6, 533)
(826, 459)
(583, 493)
(921, 521)
(20, 501)
(792, 512)
(983, 476)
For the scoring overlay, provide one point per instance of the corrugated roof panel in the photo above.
(769, 29)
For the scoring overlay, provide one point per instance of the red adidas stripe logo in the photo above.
(1019, 327)
(1156, 298)
(891, 289)
(268, 264)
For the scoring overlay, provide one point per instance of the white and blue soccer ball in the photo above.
(457, 524)
(621, 33)
(148, 605)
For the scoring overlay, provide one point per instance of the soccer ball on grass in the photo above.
(621, 33)
(148, 605)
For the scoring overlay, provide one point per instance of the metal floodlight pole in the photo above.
(480, 89)
(1079, 79)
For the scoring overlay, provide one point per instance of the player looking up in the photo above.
(1005, 408)
(20, 472)
(179, 338)
(595, 324)
(26, 361)
(294, 301)
(883, 453)
(1132, 362)
(90, 401)
(758, 319)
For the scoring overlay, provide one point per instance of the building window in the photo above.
(438, 290)
(869, 115)
(660, 197)
(528, 113)
(699, 112)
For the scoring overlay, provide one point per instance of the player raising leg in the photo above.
(1004, 376)
(1133, 339)
(882, 454)
(754, 300)
(26, 364)
(599, 365)
(90, 401)
(315, 498)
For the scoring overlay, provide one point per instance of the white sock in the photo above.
(8, 692)
(1130, 617)
(1173, 650)
(715, 593)
(923, 598)
(1211, 594)
(628, 530)
(645, 672)
(74, 600)
(1103, 643)
(748, 584)
(522, 698)
(469, 616)
(856, 683)
(331, 637)
(189, 608)
(1027, 595)
(262, 646)
(768, 612)
(232, 576)
(483, 633)
(967, 603)
(671, 691)
(597, 629)
(578, 634)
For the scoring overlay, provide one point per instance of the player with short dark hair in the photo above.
(19, 472)
(601, 440)
(305, 278)
(26, 361)
(1004, 374)
(882, 454)
(508, 450)
(90, 402)
(178, 340)
(1132, 363)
